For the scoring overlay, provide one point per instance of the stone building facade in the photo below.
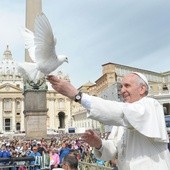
(12, 100)
(62, 112)
(107, 86)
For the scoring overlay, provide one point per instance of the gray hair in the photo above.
(142, 82)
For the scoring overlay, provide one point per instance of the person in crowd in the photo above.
(54, 158)
(4, 153)
(65, 150)
(169, 140)
(45, 162)
(37, 163)
(41, 148)
(143, 142)
(25, 150)
(70, 162)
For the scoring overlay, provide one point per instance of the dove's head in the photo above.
(63, 58)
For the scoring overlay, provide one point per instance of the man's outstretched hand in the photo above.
(62, 86)
(92, 139)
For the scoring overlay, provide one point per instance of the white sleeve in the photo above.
(105, 111)
(147, 117)
(86, 101)
(107, 151)
(109, 146)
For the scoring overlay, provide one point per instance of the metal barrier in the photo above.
(6, 163)
(25, 162)
(90, 166)
(12, 163)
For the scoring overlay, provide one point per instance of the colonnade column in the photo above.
(13, 115)
(22, 115)
(1, 116)
(52, 113)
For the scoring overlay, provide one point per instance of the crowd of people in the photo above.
(138, 138)
(48, 153)
(51, 153)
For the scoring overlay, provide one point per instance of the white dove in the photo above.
(41, 48)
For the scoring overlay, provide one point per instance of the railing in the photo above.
(12, 163)
(92, 166)
(6, 163)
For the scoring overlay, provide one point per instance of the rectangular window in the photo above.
(7, 104)
(18, 104)
(18, 126)
(60, 103)
(7, 126)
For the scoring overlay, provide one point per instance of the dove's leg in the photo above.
(38, 76)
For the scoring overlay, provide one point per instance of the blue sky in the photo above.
(94, 32)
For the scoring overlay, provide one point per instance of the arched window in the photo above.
(61, 116)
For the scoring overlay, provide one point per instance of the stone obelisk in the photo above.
(33, 7)
(35, 107)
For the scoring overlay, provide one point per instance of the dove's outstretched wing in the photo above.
(41, 48)
(45, 42)
(29, 42)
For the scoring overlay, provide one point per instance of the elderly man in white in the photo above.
(141, 141)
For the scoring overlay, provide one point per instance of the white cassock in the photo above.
(141, 138)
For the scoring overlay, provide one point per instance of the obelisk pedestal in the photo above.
(35, 113)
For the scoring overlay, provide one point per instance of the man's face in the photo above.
(131, 90)
(35, 149)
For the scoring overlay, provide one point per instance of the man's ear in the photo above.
(142, 89)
